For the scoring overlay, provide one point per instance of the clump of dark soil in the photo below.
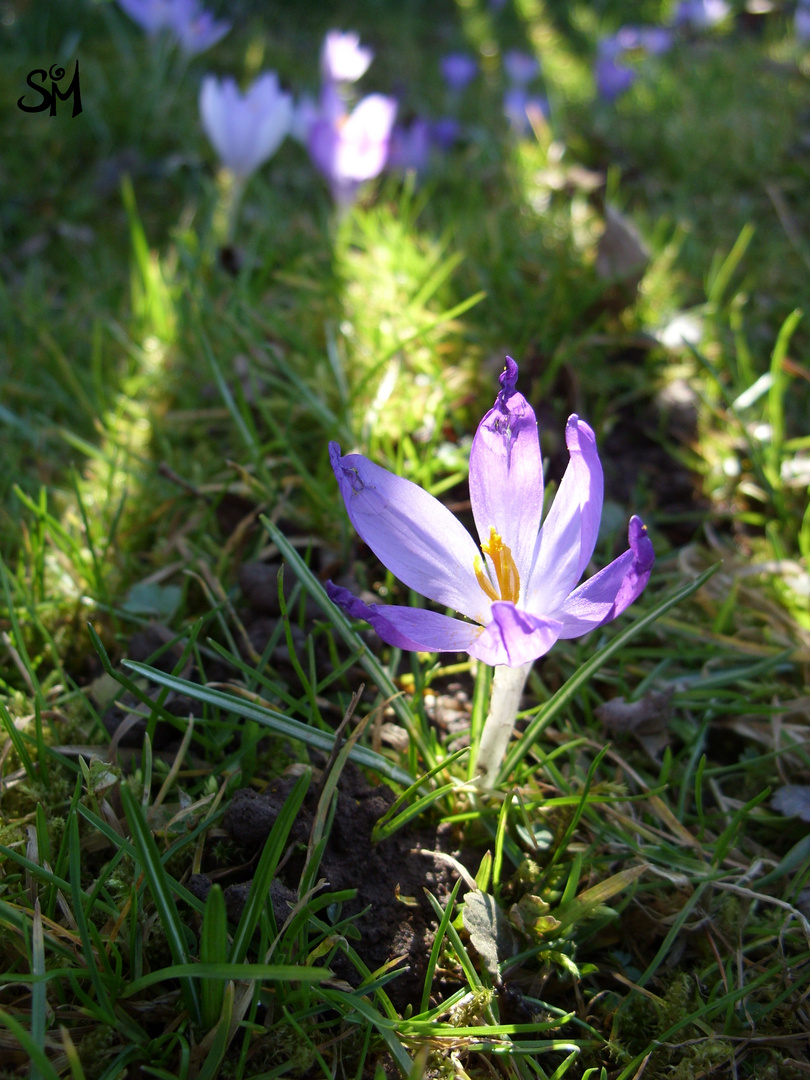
(390, 877)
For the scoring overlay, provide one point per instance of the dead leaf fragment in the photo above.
(646, 719)
(489, 928)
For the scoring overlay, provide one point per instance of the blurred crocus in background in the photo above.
(194, 29)
(343, 59)
(245, 129)
(200, 32)
(458, 71)
(701, 14)
(349, 148)
(520, 107)
(523, 110)
(801, 20)
(445, 132)
(409, 146)
(519, 67)
(305, 113)
(613, 77)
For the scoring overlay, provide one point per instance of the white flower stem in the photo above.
(504, 702)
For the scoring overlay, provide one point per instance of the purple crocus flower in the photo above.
(612, 79)
(445, 132)
(458, 71)
(801, 23)
(520, 67)
(519, 590)
(350, 148)
(245, 129)
(194, 29)
(517, 107)
(652, 39)
(409, 147)
(342, 57)
(199, 30)
(655, 39)
(701, 14)
(151, 15)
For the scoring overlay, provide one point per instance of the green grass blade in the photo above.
(74, 862)
(161, 889)
(213, 950)
(222, 1034)
(280, 973)
(39, 989)
(776, 395)
(35, 1051)
(18, 743)
(436, 948)
(584, 674)
(269, 718)
(719, 282)
(270, 857)
(371, 665)
(389, 823)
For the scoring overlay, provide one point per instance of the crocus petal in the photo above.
(150, 15)
(408, 628)
(565, 544)
(612, 79)
(198, 31)
(343, 59)
(212, 111)
(514, 637)
(363, 144)
(458, 70)
(506, 473)
(520, 67)
(245, 129)
(607, 594)
(411, 533)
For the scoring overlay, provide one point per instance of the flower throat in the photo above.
(506, 572)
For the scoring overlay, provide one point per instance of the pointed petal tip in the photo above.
(509, 375)
(578, 431)
(640, 544)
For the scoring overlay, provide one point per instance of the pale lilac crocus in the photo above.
(199, 31)
(343, 59)
(518, 592)
(194, 30)
(458, 71)
(245, 129)
(151, 15)
(349, 148)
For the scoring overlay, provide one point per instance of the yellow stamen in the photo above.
(483, 580)
(506, 572)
